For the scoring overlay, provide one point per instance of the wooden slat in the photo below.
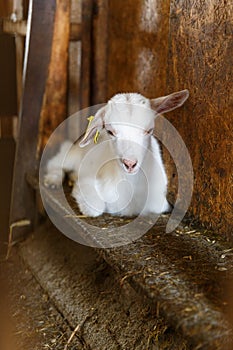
(54, 109)
(74, 63)
(19, 27)
(74, 88)
(87, 7)
(35, 76)
(74, 77)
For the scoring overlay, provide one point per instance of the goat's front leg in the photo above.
(88, 199)
(156, 200)
(57, 166)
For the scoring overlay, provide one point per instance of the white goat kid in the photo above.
(123, 174)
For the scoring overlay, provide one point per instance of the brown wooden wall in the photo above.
(156, 47)
(200, 58)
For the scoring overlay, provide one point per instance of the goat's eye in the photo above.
(150, 131)
(110, 132)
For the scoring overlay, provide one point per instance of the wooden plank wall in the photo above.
(54, 109)
(157, 47)
(200, 59)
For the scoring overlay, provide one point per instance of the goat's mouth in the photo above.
(131, 172)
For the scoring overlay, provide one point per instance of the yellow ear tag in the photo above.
(90, 119)
(97, 134)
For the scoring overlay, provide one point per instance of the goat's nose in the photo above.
(129, 164)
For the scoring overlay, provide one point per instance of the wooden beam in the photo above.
(35, 77)
(20, 28)
(74, 86)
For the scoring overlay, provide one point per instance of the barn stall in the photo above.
(82, 53)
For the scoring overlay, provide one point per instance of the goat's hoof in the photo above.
(89, 211)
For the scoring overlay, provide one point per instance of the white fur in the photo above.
(103, 181)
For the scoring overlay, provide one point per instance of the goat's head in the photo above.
(129, 121)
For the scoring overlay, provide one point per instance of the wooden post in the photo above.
(74, 60)
(74, 82)
(38, 50)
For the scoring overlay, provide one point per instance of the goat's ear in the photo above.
(96, 125)
(168, 103)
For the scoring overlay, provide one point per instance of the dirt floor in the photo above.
(75, 288)
(34, 322)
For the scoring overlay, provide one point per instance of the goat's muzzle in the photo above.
(129, 165)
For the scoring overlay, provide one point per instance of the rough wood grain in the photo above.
(137, 46)
(100, 46)
(200, 59)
